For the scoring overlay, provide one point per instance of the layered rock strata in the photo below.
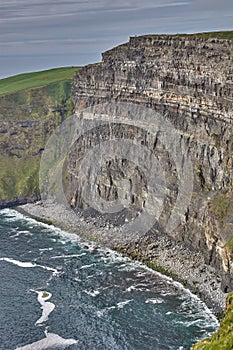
(189, 82)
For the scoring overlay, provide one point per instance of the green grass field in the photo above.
(36, 79)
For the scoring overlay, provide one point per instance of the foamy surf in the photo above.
(19, 263)
(47, 307)
(138, 287)
(154, 301)
(121, 304)
(87, 266)
(29, 265)
(68, 256)
(92, 293)
(118, 306)
(13, 215)
(51, 341)
(126, 289)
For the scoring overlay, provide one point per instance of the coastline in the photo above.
(156, 251)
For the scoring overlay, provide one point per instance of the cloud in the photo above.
(213, 5)
(59, 28)
(23, 10)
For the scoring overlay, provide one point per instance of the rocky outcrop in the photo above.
(189, 82)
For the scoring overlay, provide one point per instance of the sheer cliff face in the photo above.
(189, 82)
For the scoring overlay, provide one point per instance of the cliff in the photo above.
(31, 106)
(188, 82)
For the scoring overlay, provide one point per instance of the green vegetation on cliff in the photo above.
(36, 79)
(31, 106)
(223, 339)
(226, 35)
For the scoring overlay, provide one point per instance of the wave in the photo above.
(87, 266)
(67, 256)
(121, 304)
(154, 301)
(203, 308)
(108, 255)
(51, 341)
(140, 287)
(29, 265)
(93, 293)
(118, 306)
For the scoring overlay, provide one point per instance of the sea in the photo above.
(58, 291)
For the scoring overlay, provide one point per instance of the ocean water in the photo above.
(57, 292)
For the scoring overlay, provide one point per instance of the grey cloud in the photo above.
(23, 10)
(212, 5)
(59, 29)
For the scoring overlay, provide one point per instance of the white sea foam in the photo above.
(154, 301)
(164, 294)
(13, 215)
(100, 313)
(19, 263)
(121, 304)
(139, 287)
(93, 293)
(45, 249)
(46, 306)
(29, 265)
(118, 306)
(67, 256)
(16, 235)
(129, 289)
(87, 266)
(113, 257)
(203, 307)
(51, 341)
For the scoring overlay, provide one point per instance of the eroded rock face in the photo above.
(189, 82)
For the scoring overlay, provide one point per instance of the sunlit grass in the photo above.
(36, 79)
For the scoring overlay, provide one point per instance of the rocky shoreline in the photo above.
(157, 251)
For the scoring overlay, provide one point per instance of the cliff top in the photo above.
(226, 35)
(35, 79)
(210, 43)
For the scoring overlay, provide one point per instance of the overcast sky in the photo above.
(40, 34)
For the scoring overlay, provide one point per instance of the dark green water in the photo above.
(57, 293)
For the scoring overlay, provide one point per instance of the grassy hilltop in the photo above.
(35, 79)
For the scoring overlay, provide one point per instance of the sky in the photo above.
(42, 34)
